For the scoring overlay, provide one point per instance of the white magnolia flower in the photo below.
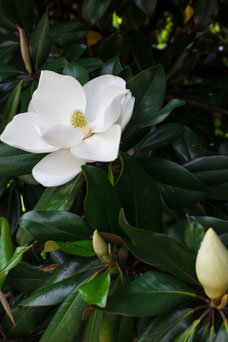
(76, 124)
(212, 265)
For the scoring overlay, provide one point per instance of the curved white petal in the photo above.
(57, 168)
(100, 146)
(94, 90)
(126, 111)
(23, 132)
(109, 109)
(62, 136)
(57, 96)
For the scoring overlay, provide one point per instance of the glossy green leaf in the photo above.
(57, 65)
(66, 323)
(109, 328)
(166, 327)
(159, 116)
(188, 146)
(93, 326)
(25, 277)
(96, 290)
(150, 246)
(111, 67)
(147, 6)
(69, 32)
(74, 51)
(177, 231)
(26, 319)
(64, 226)
(65, 278)
(15, 259)
(12, 104)
(77, 71)
(81, 248)
(222, 335)
(189, 334)
(138, 194)
(151, 294)
(91, 64)
(210, 170)
(40, 42)
(15, 162)
(148, 88)
(101, 207)
(11, 206)
(93, 10)
(178, 187)
(8, 71)
(6, 246)
(7, 51)
(60, 197)
(194, 234)
(26, 97)
(161, 136)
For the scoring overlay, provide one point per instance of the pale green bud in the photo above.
(212, 265)
(100, 247)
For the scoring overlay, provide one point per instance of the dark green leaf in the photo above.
(7, 51)
(15, 162)
(67, 276)
(189, 334)
(222, 335)
(188, 146)
(91, 64)
(153, 293)
(40, 42)
(178, 186)
(96, 290)
(149, 247)
(8, 71)
(12, 104)
(60, 197)
(146, 6)
(66, 323)
(6, 246)
(82, 248)
(210, 170)
(148, 88)
(93, 326)
(27, 96)
(111, 67)
(69, 32)
(15, 259)
(161, 136)
(77, 71)
(166, 327)
(138, 194)
(194, 234)
(101, 207)
(93, 10)
(57, 65)
(62, 225)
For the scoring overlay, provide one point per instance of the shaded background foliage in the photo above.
(178, 52)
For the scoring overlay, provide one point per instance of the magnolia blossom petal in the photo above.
(62, 136)
(57, 168)
(22, 132)
(57, 96)
(126, 111)
(109, 109)
(100, 146)
(94, 91)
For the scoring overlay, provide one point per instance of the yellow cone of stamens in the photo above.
(79, 120)
(100, 247)
(212, 265)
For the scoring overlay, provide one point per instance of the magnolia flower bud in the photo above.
(100, 247)
(212, 265)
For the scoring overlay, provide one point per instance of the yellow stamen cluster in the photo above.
(78, 119)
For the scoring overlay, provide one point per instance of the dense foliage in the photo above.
(152, 205)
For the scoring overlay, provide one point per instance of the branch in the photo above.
(199, 104)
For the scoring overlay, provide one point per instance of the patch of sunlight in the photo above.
(116, 20)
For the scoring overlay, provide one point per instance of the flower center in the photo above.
(79, 120)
